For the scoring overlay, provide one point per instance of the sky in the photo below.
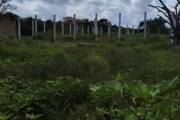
(132, 10)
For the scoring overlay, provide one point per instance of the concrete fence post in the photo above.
(32, 27)
(77, 28)
(127, 30)
(119, 28)
(70, 29)
(62, 25)
(108, 29)
(35, 24)
(82, 29)
(95, 27)
(101, 30)
(145, 24)
(88, 29)
(44, 26)
(97, 30)
(54, 28)
(19, 28)
(133, 30)
(74, 22)
(92, 29)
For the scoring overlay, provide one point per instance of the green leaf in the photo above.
(5, 116)
(131, 87)
(134, 100)
(109, 88)
(175, 82)
(164, 105)
(118, 77)
(116, 87)
(94, 88)
(142, 91)
(154, 91)
(130, 117)
(164, 86)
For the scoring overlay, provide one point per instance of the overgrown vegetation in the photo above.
(50, 81)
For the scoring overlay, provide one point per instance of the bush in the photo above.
(53, 99)
(96, 68)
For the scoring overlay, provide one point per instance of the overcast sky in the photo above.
(132, 10)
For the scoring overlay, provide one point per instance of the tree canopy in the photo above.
(5, 6)
(154, 24)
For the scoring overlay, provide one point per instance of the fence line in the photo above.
(95, 28)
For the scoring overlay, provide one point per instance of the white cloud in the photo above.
(132, 10)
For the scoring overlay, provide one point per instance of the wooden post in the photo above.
(54, 30)
(145, 24)
(44, 26)
(32, 27)
(19, 28)
(74, 27)
(35, 24)
(119, 29)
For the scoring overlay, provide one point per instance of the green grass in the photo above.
(34, 61)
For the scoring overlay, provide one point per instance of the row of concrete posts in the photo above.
(75, 26)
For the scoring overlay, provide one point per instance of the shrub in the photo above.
(96, 68)
(54, 99)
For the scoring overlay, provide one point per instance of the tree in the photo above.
(9, 15)
(154, 24)
(173, 19)
(5, 5)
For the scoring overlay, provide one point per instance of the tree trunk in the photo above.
(173, 19)
(175, 40)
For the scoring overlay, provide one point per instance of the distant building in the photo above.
(8, 27)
